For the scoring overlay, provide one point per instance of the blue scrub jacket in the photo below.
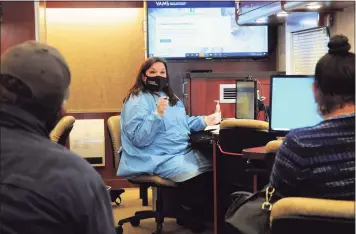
(157, 145)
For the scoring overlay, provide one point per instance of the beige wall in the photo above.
(344, 23)
(104, 48)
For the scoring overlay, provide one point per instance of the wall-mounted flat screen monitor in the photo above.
(201, 30)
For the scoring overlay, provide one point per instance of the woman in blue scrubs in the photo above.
(155, 131)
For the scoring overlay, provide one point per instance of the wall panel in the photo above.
(202, 101)
(103, 47)
(178, 70)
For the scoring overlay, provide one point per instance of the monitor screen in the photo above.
(201, 29)
(292, 103)
(246, 99)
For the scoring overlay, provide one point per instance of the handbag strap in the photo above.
(267, 205)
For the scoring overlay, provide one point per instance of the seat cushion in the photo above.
(273, 146)
(313, 207)
(245, 123)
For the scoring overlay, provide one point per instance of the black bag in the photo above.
(249, 213)
(202, 140)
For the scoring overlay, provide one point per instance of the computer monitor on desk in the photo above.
(292, 103)
(246, 99)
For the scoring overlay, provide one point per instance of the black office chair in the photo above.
(235, 136)
(238, 134)
(144, 181)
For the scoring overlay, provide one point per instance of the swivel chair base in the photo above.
(146, 214)
(141, 215)
(115, 194)
(158, 215)
(149, 214)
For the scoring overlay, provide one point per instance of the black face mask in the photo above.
(156, 83)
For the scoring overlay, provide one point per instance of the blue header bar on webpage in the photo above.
(190, 4)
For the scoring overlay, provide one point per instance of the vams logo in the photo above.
(162, 3)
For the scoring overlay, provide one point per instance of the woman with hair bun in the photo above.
(319, 161)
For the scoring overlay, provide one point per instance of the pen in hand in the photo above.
(162, 105)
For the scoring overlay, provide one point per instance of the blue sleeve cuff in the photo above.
(202, 118)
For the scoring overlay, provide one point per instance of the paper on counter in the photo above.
(87, 139)
(215, 131)
(214, 127)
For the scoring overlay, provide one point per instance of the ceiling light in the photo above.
(261, 20)
(313, 7)
(282, 14)
(309, 22)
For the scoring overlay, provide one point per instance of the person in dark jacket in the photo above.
(44, 188)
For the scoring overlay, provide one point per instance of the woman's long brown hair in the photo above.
(139, 85)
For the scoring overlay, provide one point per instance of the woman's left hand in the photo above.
(210, 120)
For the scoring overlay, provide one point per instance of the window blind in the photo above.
(308, 46)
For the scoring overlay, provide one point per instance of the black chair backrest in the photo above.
(235, 140)
(63, 138)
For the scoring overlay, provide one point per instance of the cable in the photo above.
(260, 87)
(266, 114)
(262, 107)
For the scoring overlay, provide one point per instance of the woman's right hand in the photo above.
(162, 105)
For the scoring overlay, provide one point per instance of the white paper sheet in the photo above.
(214, 127)
(88, 139)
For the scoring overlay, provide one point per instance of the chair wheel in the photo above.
(118, 200)
(135, 222)
(159, 229)
(180, 222)
(119, 230)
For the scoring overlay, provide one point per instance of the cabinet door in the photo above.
(203, 93)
